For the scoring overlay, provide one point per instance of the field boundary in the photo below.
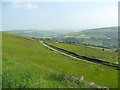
(78, 57)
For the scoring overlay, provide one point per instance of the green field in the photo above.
(107, 55)
(0, 60)
(28, 63)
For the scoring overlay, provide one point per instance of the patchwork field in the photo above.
(27, 63)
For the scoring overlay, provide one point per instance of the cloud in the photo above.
(25, 5)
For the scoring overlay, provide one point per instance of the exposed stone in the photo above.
(81, 79)
(91, 83)
(116, 63)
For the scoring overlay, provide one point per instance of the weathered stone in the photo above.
(91, 83)
(81, 79)
(116, 63)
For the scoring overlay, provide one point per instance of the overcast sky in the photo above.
(58, 15)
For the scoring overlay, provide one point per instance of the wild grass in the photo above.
(0, 60)
(88, 51)
(22, 76)
(28, 63)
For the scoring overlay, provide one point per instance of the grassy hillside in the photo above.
(107, 55)
(100, 37)
(0, 60)
(103, 37)
(28, 63)
(39, 33)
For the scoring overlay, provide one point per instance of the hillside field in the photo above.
(27, 63)
(99, 37)
(107, 54)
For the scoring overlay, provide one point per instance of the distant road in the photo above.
(73, 57)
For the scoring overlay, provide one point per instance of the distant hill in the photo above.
(100, 37)
(104, 37)
(39, 33)
(110, 32)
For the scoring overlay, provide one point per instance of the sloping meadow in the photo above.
(28, 64)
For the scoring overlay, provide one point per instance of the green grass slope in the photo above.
(27, 63)
(88, 51)
(0, 60)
